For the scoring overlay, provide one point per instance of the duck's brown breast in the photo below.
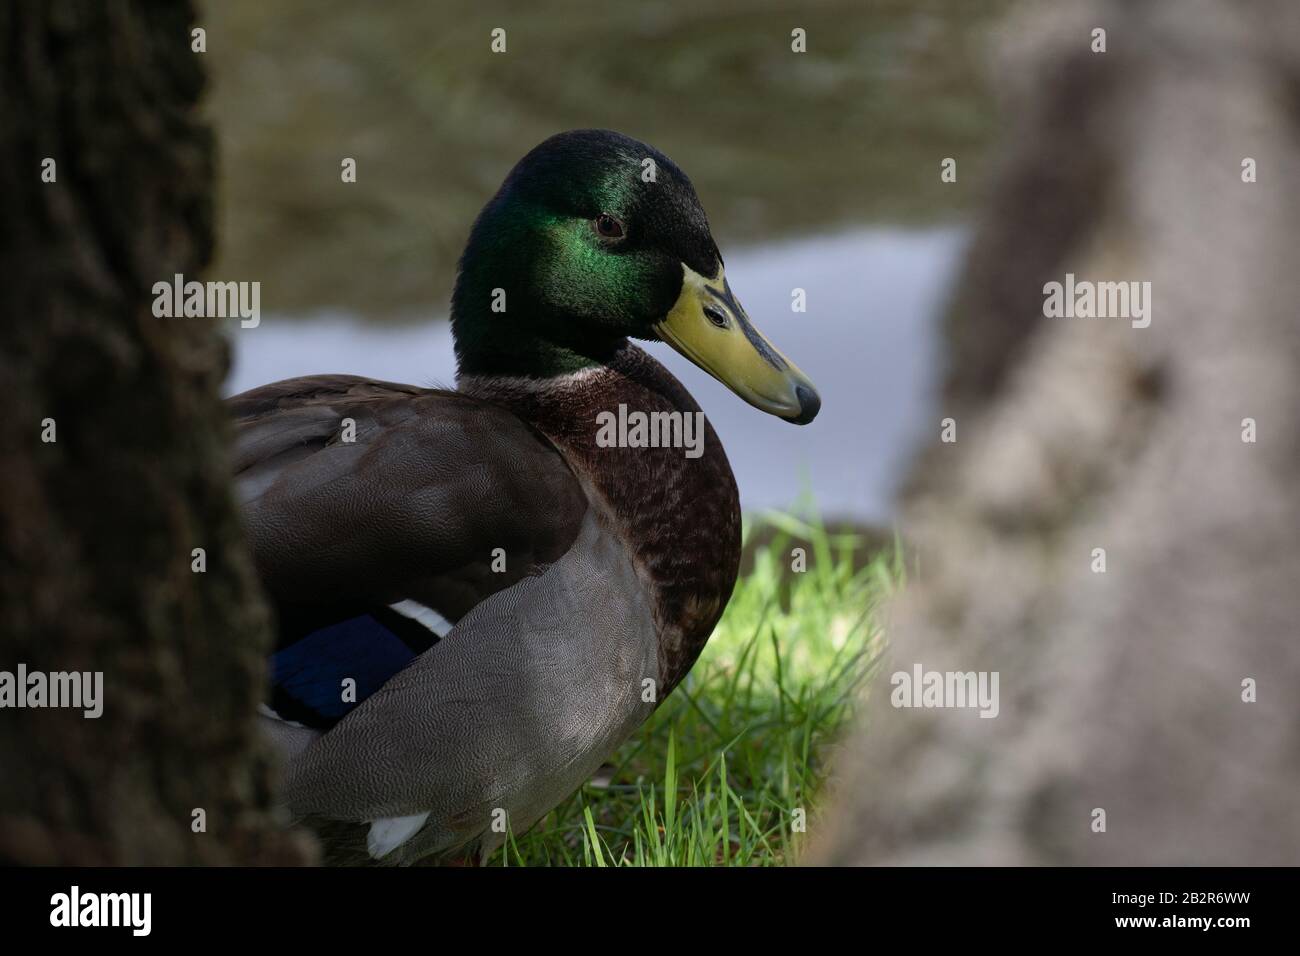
(675, 505)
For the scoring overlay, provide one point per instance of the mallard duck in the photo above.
(479, 593)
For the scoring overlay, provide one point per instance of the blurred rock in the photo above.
(1120, 690)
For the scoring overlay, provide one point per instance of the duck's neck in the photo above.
(676, 506)
(508, 348)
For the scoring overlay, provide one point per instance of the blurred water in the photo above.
(868, 340)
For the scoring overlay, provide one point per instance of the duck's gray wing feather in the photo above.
(413, 507)
(552, 663)
(498, 722)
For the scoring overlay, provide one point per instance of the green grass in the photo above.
(716, 776)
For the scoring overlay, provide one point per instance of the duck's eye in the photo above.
(607, 226)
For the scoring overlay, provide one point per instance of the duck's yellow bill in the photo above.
(710, 328)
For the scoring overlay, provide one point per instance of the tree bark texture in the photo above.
(1128, 690)
(97, 527)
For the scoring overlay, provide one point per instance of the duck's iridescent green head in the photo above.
(595, 238)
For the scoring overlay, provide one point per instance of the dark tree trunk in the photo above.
(97, 527)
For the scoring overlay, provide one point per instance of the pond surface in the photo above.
(869, 340)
